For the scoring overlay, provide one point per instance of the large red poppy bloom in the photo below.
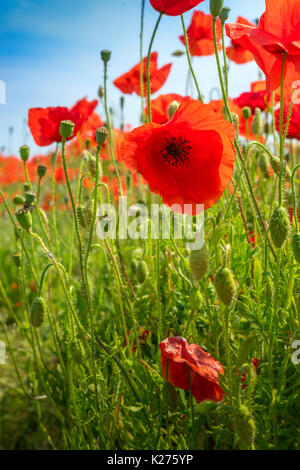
(200, 34)
(160, 106)
(44, 123)
(294, 125)
(186, 364)
(236, 52)
(130, 82)
(174, 7)
(278, 32)
(188, 160)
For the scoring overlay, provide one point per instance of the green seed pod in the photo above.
(279, 226)
(24, 152)
(263, 163)
(19, 200)
(101, 135)
(77, 351)
(244, 425)
(216, 7)
(142, 272)
(177, 53)
(296, 246)
(247, 112)
(41, 171)
(17, 259)
(37, 312)
(89, 213)
(29, 198)
(66, 129)
(196, 299)
(276, 165)
(80, 216)
(224, 14)
(225, 286)
(105, 55)
(100, 91)
(258, 124)
(24, 218)
(173, 107)
(134, 265)
(199, 262)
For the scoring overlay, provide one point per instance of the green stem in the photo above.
(148, 67)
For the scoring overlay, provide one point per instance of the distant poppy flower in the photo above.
(130, 82)
(60, 175)
(294, 125)
(277, 34)
(185, 364)
(160, 106)
(188, 160)
(255, 362)
(174, 7)
(252, 99)
(88, 132)
(200, 34)
(44, 123)
(142, 335)
(236, 52)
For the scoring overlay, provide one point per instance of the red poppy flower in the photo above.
(236, 52)
(160, 106)
(200, 34)
(278, 32)
(88, 132)
(130, 82)
(252, 99)
(189, 364)
(188, 160)
(174, 7)
(44, 123)
(294, 125)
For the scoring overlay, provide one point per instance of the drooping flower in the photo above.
(277, 34)
(200, 34)
(44, 123)
(130, 82)
(187, 366)
(237, 52)
(188, 160)
(174, 7)
(294, 124)
(160, 106)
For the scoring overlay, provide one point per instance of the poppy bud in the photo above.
(133, 265)
(88, 213)
(236, 124)
(276, 165)
(173, 108)
(105, 55)
(17, 259)
(244, 425)
(216, 7)
(247, 112)
(19, 200)
(37, 312)
(142, 272)
(199, 262)
(80, 216)
(296, 246)
(24, 218)
(101, 135)
(41, 171)
(100, 91)
(224, 14)
(29, 198)
(279, 226)
(66, 129)
(258, 124)
(178, 53)
(196, 299)
(77, 351)
(24, 152)
(263, 163)
(225, 286)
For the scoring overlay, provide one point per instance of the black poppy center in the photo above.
(176, 151)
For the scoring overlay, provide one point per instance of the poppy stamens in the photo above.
(176, 151)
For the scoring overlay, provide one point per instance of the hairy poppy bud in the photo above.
(244, 425)
(279, 226)
(225, 286)
(105, 55)
(133, 265)
(77, 351)
(142, 272)
(88, 213)
(236, 124)
(80, 216)
(296, 246)
(24, 152)
(258, 124)
(66, 129)
(19, 200)
(24, 218)
(100, 91)
(247, 112)
(199, 262)
(17, 259)
(101, 135)
(224, 14)
(276, 165)
(216, 7)
(37, 312)
(173, 108)
(41, 171)
(29, 198)
(196, 299)
(263, 163)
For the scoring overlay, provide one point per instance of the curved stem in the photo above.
(148, 67)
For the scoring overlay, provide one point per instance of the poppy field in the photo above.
(149, 274)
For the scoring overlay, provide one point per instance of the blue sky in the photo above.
(49, 55)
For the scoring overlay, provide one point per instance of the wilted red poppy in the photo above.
(186, 364)
(236, 52)
(278, 33)
(130, 82)
(44, 123)
(188, 160)
(160, 106)
(294, 125)
(174, 7)
(200, 34)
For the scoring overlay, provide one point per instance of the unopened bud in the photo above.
(41, 171)
(276, 165)
(100, 91)
(216, 7)
(66, 129)
(173, 108)
(29, 198)
(37, 312)
(101, 135)
(224, 14)
(258, 124)
(279, 226)
(24, 218)
(225, 286)
(24, 152)
(19, 200)
(247, 112)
